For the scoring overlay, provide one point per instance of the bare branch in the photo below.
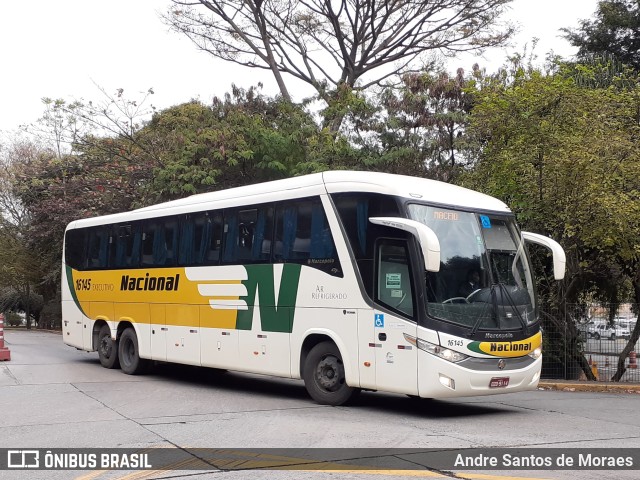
(327, 43)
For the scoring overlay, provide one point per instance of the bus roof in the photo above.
(430, 191)
(419, 189)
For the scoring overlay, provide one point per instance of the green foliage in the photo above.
(600, 71)
(561, 149)
(420, 128)
(57, 190)
(12, 300)
(567, 161)
(13, 319)
(614, 30)
(20, 264)
(240, 139)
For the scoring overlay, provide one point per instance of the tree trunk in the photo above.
(333, 123)
(572, 342)
(258, 15)
(27, 307)
(625, 353)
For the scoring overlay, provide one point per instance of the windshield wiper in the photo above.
(480, 318)
(494, 302)
(505, 291)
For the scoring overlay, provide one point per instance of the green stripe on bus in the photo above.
(73, 290)
(274, 317)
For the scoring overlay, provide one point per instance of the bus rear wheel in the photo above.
(107, 348)
(324, 376)
(129, 354)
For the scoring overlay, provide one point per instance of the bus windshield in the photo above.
(484, 282)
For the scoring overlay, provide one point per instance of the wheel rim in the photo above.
(106, 346)
(329, 373)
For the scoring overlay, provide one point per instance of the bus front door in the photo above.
(396, 358)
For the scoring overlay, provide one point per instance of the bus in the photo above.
(348, 280)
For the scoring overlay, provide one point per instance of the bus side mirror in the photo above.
(427, 238)
(559, 258)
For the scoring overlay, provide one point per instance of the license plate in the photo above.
(499, 382)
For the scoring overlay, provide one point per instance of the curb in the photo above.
(57, 331)
(603, 387)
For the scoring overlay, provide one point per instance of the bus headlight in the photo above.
(437, 350)
(536, 354)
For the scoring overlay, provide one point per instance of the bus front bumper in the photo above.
(438, 378)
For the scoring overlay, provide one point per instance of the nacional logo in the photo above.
(149, 283)
(507, 349)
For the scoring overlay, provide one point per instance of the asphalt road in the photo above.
(53, 396)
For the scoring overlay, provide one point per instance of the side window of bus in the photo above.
(354, 210)
(201, 239)
(74, 251)
(127, 246)
(159, 242)
(303, 236)
(98, 247)
(394, 286)
(247, 235)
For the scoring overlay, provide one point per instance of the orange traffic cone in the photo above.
(632, 360)
(5, 353)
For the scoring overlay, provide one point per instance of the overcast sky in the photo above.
(63, 48)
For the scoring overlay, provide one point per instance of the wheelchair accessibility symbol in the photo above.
(379, 320)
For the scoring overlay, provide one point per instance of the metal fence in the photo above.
(579, 338)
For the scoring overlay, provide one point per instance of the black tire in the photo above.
(417, 399)
(107, 348)
(596, 336)
(324, 376)
(612, 337)
(129, 354)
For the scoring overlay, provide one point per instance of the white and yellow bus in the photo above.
(348, 280)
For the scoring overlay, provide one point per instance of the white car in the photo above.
(594, 326)
(611, 332)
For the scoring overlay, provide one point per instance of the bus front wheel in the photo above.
(324, 376)
(107, 348)
(129, 354)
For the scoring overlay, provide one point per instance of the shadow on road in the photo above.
(272, 387)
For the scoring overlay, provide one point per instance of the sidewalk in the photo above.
(584, 386)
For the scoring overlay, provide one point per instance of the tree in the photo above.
(240, 139)
(421, 126)
(326, 44)
(20, 262)
(565, 157)
(615, 30)
(83, 166)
